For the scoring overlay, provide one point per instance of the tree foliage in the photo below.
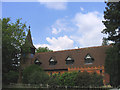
(112, 21)
(43, 49)
(34, 74)
(105, 41)
(13, 35)
(112, 24)
(112, 65)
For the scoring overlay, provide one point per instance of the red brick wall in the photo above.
(88, 69)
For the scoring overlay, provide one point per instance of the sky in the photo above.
(60, 25)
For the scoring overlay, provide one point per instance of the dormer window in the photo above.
(89, 59)
(52, 61)
(69, 60)
(37, 62)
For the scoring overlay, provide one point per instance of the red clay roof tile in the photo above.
(98, 53)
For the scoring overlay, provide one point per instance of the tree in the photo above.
(112, 21)
(112, 24)
(43, 49)
(105, 42)
(13, 36)
(112, 65)
(34, 74)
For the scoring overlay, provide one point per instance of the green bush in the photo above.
(11, 77)
(82, 79)
(34, 74)
(38, 78)
(68, 79)
(54, 80)
(96, 80)
(85, 79)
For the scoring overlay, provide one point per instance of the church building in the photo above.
(90, 59)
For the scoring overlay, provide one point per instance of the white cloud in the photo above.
(61, 25)
(55, 31)
(89, 29)
(55, 5)
(82, 9)
(84, 30)
(60, 43)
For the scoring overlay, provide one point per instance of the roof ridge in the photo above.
(74, 49)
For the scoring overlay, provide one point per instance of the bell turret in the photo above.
(28, 51)
(29, 42)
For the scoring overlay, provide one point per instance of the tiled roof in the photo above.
(98, 53)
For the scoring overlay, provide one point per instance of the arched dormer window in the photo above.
(88, 59)
(37, 62)
(69, 60)
(52, 61)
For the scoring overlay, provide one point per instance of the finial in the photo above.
(29, 27)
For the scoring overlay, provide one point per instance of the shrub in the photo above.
(68, 79)
(34, 74)
(38, 78)
(11, 77)
(96, 80)
(85, 79)
(54, 80)
(82, 79)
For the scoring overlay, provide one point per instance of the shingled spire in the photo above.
(29, 39)
(29, 43)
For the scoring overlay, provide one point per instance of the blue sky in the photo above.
(60, 26)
